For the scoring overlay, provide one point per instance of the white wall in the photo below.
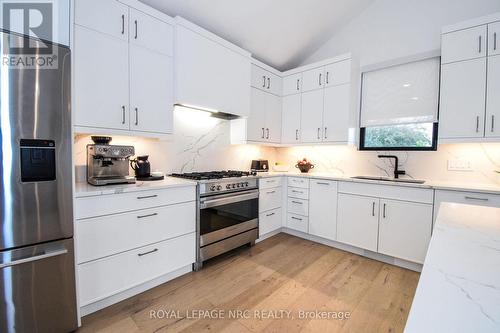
(390, 29)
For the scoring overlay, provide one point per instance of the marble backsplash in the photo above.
(202, 143)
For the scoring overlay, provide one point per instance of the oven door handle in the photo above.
(208, 203)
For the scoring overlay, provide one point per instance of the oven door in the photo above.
(226, 215)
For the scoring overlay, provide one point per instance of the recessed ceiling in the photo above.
(281, 33)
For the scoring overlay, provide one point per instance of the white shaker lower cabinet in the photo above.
(270, 203)
(323, 208)
(405, 229)
(466, 198)
(357, 221)
(298, 204)
(126, 241)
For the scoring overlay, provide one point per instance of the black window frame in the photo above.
(362, 133)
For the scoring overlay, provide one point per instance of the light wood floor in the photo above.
(280, 273)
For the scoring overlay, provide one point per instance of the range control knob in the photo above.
(228, 186)
(238, 185)
(234, 185)
(212, 188)
(246, 184)
(219, 187)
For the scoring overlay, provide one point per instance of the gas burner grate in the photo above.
(213, 175)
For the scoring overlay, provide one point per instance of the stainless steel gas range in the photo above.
(228, 211)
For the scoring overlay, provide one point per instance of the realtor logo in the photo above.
(36, 20)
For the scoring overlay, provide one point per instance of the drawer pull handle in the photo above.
(297, 202)
(148, 197)
(320, 183)
(149, 215)
(296, 218)
(146, 253)
(475, 198)
(271, 192)
(270, 181)
(295, 191)
(270, 214)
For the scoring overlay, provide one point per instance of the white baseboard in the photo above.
(268, 235)
(356, 250)
(93, 307)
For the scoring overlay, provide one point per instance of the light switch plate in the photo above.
(460, 165)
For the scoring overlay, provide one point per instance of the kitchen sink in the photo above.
(387, 179)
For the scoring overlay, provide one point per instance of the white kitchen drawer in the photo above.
(298, 192)
(469, 198)
(269, 199)
(270, 182)
(297, 222)
(107, 235)
(403, 193)
(298, 182)
(100, 205)
(298, 206)
(269, 221)
(111, 275)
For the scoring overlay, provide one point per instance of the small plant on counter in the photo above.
(304, 165)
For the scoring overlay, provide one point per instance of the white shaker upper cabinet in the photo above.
(464, 44)
(323, 209)
(292, 84)
(151, 33)
(494, 39)
(311, 118)
(338, 73)
(210, 72)
(151, 91)
(336, 113)
(313, 79)
(101, 83)
(106, 16)
(493, 98)
(291, 118)
(462, 107)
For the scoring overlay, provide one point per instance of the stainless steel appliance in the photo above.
(37, 270)
(108, 164)
(228, 214)
(260, 166)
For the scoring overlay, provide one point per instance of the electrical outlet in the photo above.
(459, 165)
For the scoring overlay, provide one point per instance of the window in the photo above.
(420, 136)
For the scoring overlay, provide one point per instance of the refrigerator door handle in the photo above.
(34, 258)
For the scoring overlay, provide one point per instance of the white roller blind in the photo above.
(401, 94)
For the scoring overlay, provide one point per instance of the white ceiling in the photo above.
(281, 33)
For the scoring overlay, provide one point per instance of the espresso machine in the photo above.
(108, 164)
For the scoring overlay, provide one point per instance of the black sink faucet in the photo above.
(396, 161)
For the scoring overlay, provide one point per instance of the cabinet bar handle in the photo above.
(494, 41)
(320, 74)
(475, 198)
(270, 214)
(480, 43)
(327, 75)
(263, 81)
(297, 134)
(136, 116)
(271, 192)
(295, 191)
(477, 124)
(319, 135)
(263, 129)
(373, 209)
(298, 81)
(297, 202)
(267, 136)
(123, 114)
(270, 181)
(492, 123)
(296, 218)
(384, 211)
(149, 215)
(149, 252)
(320, 183)
(123, 24)
(326, 136)
(268, 83)
(148, 197)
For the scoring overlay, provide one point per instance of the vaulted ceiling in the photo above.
(281, 33)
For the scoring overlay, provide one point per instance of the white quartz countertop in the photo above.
(431, 184)
(459, 288)
(83, 189)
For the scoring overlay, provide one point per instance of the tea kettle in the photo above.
(141, 166)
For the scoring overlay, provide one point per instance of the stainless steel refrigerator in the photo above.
(37, 273)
